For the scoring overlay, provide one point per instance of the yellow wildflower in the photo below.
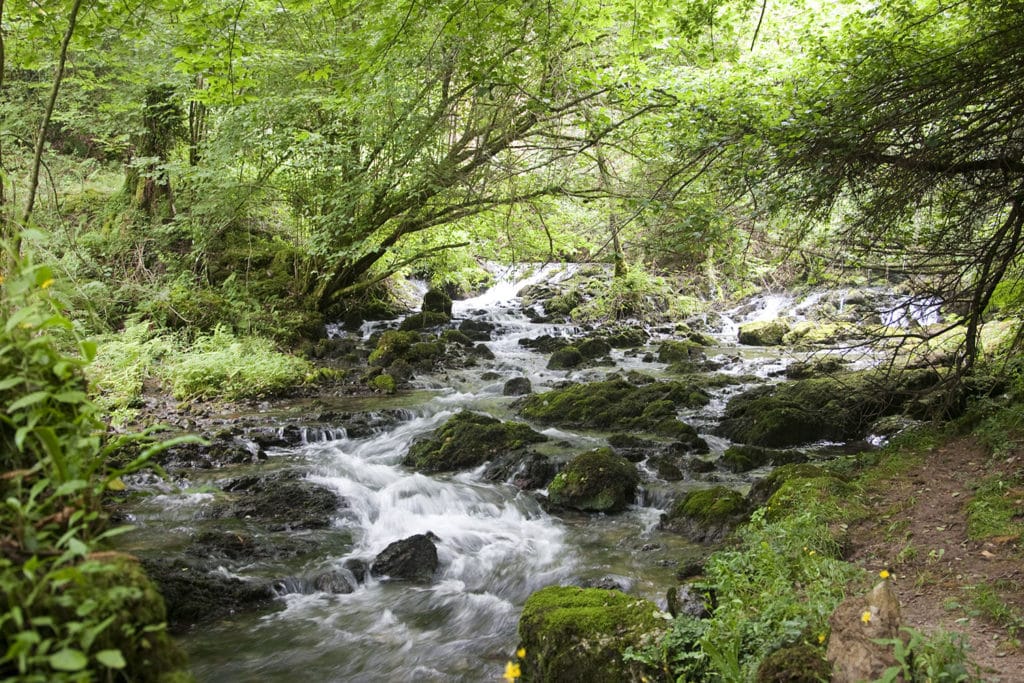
(512, 672)
(821, 638)
(866, 617)
(47, 283)
(884, 574)
(521, 652)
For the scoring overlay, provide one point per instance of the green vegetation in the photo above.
(68, 612)
(595, 481)
(467, 440)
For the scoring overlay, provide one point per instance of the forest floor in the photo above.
(945, 579)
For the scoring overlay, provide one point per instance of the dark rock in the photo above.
(686, 600)
(565, 359)
(579, 634)
(468, 440)
(436, 301)
(595, 481)
(335, 581)
(284, 501)
(410, 559)
(196, 593)
(424, 320)
(608, 583)
(517, 386)
(457, 337)
(707, 515)
(482, 351)
(358, 568)
(545, 343)
(814, 367)
(527, 471)
(667, 468)
(244, 547)
(477, 330)
(699, 466)
(626, 337)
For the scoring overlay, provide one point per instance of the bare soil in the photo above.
(919, 533)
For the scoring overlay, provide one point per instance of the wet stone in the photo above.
(410, 559)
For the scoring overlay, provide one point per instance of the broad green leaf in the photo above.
(68, 660)
(112, 659)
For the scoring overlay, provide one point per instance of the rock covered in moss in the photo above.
(593, 348)
(764, 488)
(424, 320)
(763, 333)
(707, 515)
(821, 333)
(118, 589)
(673, 351)
(800, 663)
(575, 634)
(469, 440)
(743, 458)
(595, 481)
(391, 345)
(436, 301)
(616, 404)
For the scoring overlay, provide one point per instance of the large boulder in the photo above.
(617, 405)
(517, 386)
(707, 515)
(469, 440)
(763, 333)
(410, 559)
(837, 408)
(572, 634)
(565, 359)
(595, 481)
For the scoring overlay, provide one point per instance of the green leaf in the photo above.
(10, 382)
(68, 660)
(28, 400)
(112, 659)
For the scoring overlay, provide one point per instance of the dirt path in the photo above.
(944, 579)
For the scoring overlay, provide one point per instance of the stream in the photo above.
(496, 544)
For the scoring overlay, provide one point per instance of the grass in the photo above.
(996, 509)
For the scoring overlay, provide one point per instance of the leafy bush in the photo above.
(66, 613)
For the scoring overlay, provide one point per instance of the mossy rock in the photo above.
(626, 337)
(391, 346)
(436, 301)
(680, 351)
(565, 359)
(799, 493)
(575, 634)
(121, 591)
(456, 337)
(469, 440)
(424, 320)
(763, 333)
(617, 405)
(745, 458)
(707, 515)
(595, 481)
(384, 383)
(763, 488)
(800, 663)
(593, 348)
(820, 333)
(814, 367)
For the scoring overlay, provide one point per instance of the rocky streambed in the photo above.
(508, 449)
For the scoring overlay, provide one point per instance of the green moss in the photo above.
(384, 383)
(616, 405)
(423, 320)
(763, 333)
(468, 440)
(677, 351)
(391, 346)
(565, 358)
(819, 333)
(579, 634)
(711, 506)
(595, 481)
(745, 458)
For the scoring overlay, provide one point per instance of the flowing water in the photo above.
(496, 543)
